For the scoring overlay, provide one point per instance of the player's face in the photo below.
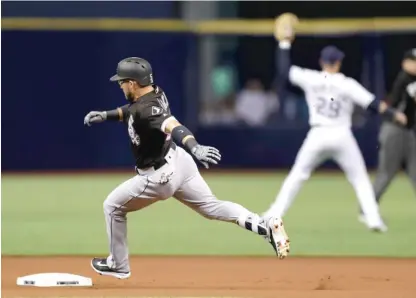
(409, 66)
(334, 67)
(127, 87)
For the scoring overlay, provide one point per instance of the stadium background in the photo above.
(57, 58)
(74, 50)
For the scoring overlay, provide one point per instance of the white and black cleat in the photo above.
(381, 228)
(100, 266)
(278, 237)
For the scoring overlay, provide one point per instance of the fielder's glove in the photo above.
(284, 29)
(95, 117)
(206, 155)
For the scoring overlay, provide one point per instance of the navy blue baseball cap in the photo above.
(331, 54)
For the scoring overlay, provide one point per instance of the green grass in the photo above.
(63, 214)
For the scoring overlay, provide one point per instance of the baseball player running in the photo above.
(397, 143)
(164, 169)
(330, 97)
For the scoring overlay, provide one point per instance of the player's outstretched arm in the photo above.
(284, 33)
(283, 64)
(118, 114)
(367, 100)
(387, 112)
(182, 135)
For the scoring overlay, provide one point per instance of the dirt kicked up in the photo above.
(224, 277)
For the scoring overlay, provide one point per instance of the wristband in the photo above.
(284, 44)
(182, 135)
(389, 113)
(115, 115)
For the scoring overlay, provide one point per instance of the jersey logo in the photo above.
(135, 139)
(156, 111)
(411, 89)
(163, 101)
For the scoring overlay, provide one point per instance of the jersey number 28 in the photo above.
(328, 108)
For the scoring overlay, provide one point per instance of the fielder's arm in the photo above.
(389, 113)
(283, 64)
(367, 100)
(384, 107)
(284, 33)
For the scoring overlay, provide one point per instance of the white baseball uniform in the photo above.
(330, 98)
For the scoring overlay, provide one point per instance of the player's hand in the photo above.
(284, 27)
(400, 118)
(95, 117)
(206, 155)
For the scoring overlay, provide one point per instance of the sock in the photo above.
(253, 223)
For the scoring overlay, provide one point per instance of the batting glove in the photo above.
(95, 117)
(206, 155)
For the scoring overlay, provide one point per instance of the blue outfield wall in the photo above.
(125, 9)
(276, 147)
(51, 79)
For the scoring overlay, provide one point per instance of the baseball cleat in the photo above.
(381, 228)
(361, 218)
(278, 237)
(100, 266)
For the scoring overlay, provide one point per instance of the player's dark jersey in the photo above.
(403, 96)
(144, 119)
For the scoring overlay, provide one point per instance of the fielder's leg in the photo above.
(196, 194)
(134, 194)
(310, 155)
(350, 159)
(390, 157)
(411, 158)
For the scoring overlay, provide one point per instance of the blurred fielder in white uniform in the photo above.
(330, 97)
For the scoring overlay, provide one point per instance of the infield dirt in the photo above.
(224, 277)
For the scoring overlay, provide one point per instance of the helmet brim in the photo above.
(116, 78)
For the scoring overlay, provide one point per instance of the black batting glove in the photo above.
(95, 117)
(206, 155)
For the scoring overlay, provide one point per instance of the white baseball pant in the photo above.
(178, 178)
(323, 143)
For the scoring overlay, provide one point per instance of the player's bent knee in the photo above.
(113, 211)
(107, 207)
(108, 204)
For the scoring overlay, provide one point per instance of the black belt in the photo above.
(157, 165)
(160, 163)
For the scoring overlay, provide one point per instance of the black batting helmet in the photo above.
(134, 68)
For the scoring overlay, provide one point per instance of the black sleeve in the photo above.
(118, 114)
(125, 111)
(396, 93)
(283, 63)
(156, 115)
